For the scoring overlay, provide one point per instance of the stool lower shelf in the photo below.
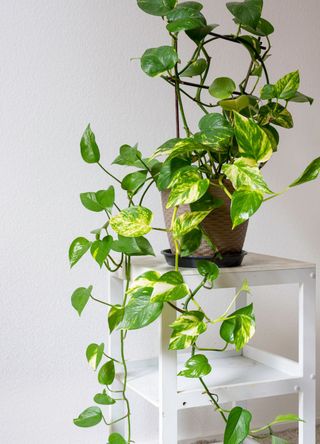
(233, 378)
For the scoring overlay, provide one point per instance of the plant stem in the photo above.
(109, 174)
(122, 351)
(178, 94)
(212, 399)
(145, 192)
(100, 302)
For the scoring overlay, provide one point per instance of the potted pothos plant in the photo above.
(204, 172)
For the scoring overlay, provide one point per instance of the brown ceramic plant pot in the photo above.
(217, 225)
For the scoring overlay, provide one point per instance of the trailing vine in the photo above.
(234, 145)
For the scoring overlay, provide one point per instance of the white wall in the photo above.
(63, 64)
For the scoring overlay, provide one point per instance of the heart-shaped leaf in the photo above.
(89, 148)
(116, 438)
(157, 61)
(238, 426)
(196, 367)
(115, 316)
(244, 203)
(168, 170)
(276, 114)
(101, 248)
(129, 156)
(187, 186)
(222, 88)
(156, 7)
(247, 12)
(132, 222)
(287, 86)
(89, 417)
(133, 246)
(106, 373)
(80, 298)
(252, 140)
(140, 311)
(195, 69)
(243, 174)
(208, 269)
(190, 242)
(239, 327)
(186, 329)
(94, 354)
(134, 181)
(188, 221)
(310, 173)
(169, 287)
(77, 249)
(99, 201)
(103, 399)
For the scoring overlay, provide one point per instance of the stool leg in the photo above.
(168, 415)
(307, 393)
(117, 410)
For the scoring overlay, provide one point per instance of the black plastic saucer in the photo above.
(223, 261)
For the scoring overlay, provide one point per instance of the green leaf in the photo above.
(262, 29)
(273, 135)
(276, 114)
(129, 156)
(208, 269)
(190, 4)
(157, 61)
(80, 298)
(242, 174)
(134, 181)
(103, 399)
(186, 329)
(133, 246)
(277, 440)
(222, 87)
(107, 373)
(252, 140)
(99, 201)
(167, 171)
(101, 248)
(178, 147)
(237, 104)
(196, 367)
(156, 7)
(289, 417)
(116, 438)
(89, 417)
(140, 311)
(190, 242)
(115, 316)
(94, 354)
(185, 17)
(198, 34)
(244, 203)
(77, 249)
(147, 279)
(186, 186)
(215, 121)
(310, 173)
(89, 149)
(247, 12)
(132, 222)
(239, 327)
(287, 86)
(301, 98)
(188, 221)
(206, 202)
(268, 92)
(195, 69)
(238, 426)
(169, 287)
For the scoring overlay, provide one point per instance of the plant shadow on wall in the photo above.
(226, 154)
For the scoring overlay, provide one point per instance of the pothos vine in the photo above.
(234, 144)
